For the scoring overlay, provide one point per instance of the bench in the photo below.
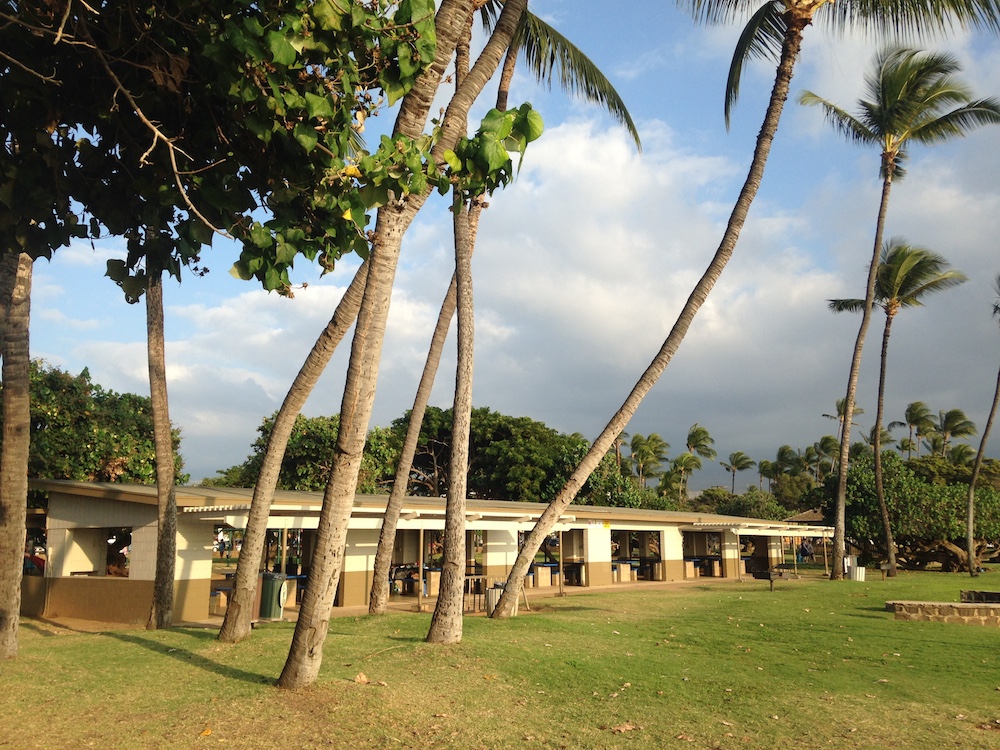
(783, 570)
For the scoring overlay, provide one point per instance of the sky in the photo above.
(583, 263)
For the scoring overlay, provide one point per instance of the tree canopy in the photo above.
(82, 431)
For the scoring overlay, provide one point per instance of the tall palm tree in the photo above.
(768, 470)
(905, 275)
(828, 448)
(953, 423)
(738, 461)
(774, 31)
(913, 96)
(970, 539)
(919, 420)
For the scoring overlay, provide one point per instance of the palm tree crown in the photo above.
(905, 275)
(912, 96)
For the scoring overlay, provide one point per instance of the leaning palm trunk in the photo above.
(840, 515)
(379, 597)
(15, 313)
(890, 544)
(305, 655)
(162, 607)
(779, 94)
(446, 624)
(970, 537)
(239, 614)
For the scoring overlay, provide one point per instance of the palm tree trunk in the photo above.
(305, 655)
(162, 607)
(239, 614)
(446, 623)
(840, 516)
(15, 315)
(883, 507)
(970, 537)
(779, 94)
(379, 598)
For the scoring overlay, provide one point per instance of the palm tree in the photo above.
(767, 470)
(953, 423)
(919, 420)
(961, 454)
(774, 31)
(647, 454)
(700, 442)
(914, 96)
(546, 52)
(392, 221)
(934, 443)
(905, 275)
(839, 417)
(682, 466)
(828, 448)
(738, 461)
(970, 540)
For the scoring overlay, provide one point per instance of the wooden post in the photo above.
(562, 574)
(420, 574)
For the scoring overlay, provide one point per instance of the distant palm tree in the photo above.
(700, 442)
(970, 541)
(913, 96)
(738, 461)
(683, 465)
(907, 445)
(919, 420)
(961, 454)
(647, 454)
(767, 470)
(905, 275)
(828, 448)
(934, 443)
(839, 417)
(788, 461)
(953, 423)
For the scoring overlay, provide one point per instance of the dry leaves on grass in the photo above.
(628, 726)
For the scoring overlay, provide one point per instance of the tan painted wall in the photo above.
(125, 600)
(32, 596)
(499, 552)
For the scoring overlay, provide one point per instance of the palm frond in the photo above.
(846, 305)
(548, 53)
(853, 129)
(912, 19)
(761, 39)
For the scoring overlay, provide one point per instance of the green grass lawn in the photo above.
(812, 664)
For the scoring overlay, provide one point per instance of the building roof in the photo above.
(222, 503)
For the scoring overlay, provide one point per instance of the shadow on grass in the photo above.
(188, 657)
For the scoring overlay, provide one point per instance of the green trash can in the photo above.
(273, 593)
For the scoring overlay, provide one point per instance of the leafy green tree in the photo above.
(928, 520)
(700, 442)
(753, 504)
(914, 96)
(738, 461)
(83, 432)
(306, 463)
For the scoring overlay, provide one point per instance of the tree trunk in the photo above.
(305, 655)
(883, 507)
(162, 607)
(239, 614)
(446, 624)
(15, 314)
(840, 516)
(970, 537)
(779, 94)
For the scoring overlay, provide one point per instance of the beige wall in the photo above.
(110, 599)
(499, 552)
(596, 554)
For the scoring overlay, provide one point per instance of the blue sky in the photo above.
(584, 261)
